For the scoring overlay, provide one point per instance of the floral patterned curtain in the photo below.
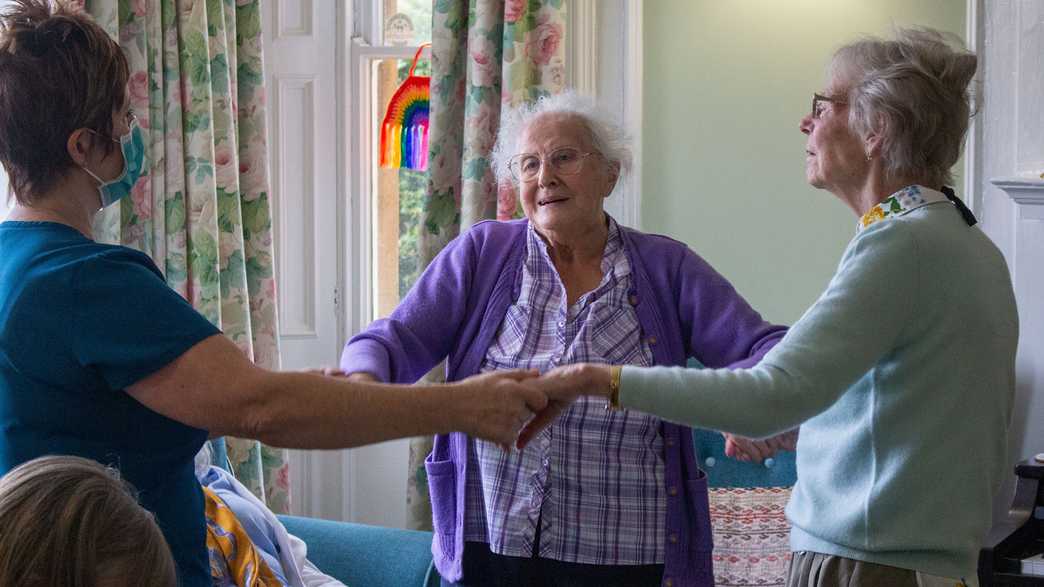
(201, 210)
(486, 54)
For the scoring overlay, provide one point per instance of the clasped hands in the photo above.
(513, 407)
(563, 385)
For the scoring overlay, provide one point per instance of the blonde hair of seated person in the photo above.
(69, 521)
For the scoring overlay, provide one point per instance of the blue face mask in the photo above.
(132, 145)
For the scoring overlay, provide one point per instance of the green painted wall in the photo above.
(723, 163)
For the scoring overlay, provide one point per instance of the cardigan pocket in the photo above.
(703, 537)
(442, 485)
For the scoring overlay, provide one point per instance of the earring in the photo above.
(869, 156)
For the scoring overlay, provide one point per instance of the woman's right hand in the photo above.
(749, 450)
(494, 406)
(562, 386)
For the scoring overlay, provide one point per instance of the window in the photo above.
(398, 198)
(378, 241)
(389, 198)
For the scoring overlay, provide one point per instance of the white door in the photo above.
(300, 70)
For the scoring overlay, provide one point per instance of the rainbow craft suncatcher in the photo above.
(404, 132)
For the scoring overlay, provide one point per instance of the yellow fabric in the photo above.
(226, 535)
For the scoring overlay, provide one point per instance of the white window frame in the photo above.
(358, 54)
(362, 181)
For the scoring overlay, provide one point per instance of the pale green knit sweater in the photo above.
(902, 379)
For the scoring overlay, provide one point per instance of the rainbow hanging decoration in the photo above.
(404, 133)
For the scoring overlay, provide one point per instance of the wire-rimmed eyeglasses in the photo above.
(564, 161)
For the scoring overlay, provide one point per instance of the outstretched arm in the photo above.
(857, 321)
(214, 387)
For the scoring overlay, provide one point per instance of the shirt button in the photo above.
(769, 462)
(561, 323)
(651, 340)
(670, 441)
(710, 461)
(672, 490)
(673, 538)
(668, 582)
(633, 299)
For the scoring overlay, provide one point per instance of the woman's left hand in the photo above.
(562, 386)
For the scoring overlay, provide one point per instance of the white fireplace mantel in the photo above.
(1024, 191)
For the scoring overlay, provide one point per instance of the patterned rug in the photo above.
(751, 536)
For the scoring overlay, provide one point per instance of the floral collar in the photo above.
(909, 198)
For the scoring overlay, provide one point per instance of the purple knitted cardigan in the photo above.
(686, 309)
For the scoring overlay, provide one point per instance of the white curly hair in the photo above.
(607, 136)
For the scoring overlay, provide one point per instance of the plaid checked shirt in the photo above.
(595, 479)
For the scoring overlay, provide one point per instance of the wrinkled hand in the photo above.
(750, 450)
(562, 386)
(494, 406)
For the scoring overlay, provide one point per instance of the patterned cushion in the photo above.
(751, 536)
(751, 533)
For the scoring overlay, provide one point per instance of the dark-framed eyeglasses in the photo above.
(818, 101)
(564, 161)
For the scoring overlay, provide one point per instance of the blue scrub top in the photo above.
(79, 322)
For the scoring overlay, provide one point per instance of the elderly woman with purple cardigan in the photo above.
(602, 497)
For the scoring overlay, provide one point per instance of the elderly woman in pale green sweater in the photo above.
(901, 375)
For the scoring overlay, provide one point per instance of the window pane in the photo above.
(412, 187)
(407, 22)
(398, 198)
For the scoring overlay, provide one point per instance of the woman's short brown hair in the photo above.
(59, 72)
(70, 521)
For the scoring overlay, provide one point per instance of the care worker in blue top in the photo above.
(100, 359)
(902, 374)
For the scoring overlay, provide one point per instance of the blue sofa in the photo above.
(367, 556)
(359, 555)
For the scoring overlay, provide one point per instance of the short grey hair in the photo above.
(913, 90)
(607, 136)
